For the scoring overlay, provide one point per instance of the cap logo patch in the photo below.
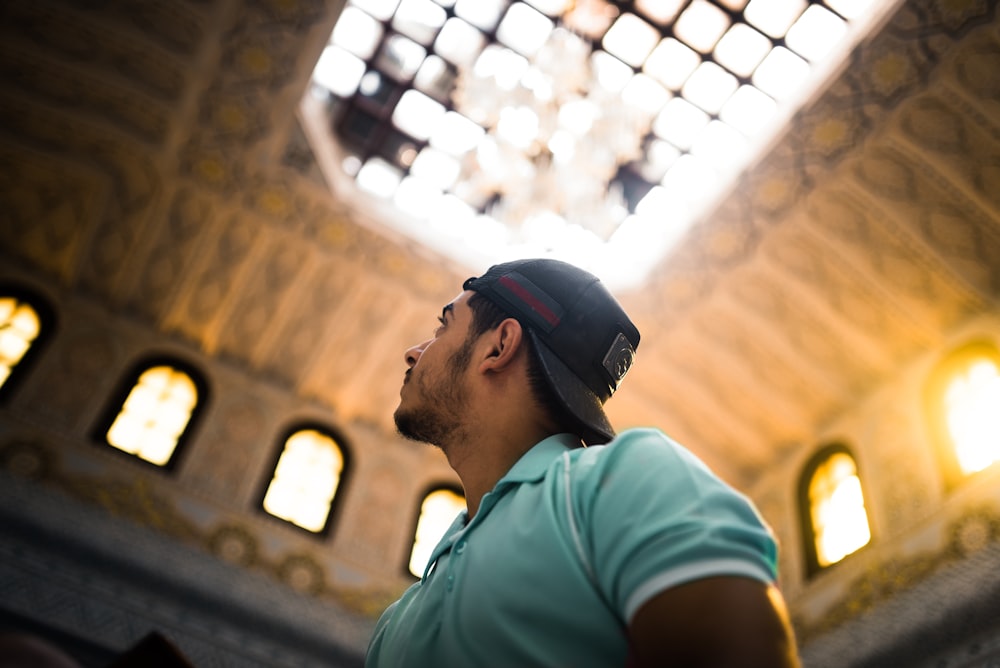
(543, 311)
(619, 358)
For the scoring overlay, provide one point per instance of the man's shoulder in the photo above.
(635, 458)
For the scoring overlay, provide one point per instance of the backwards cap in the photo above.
(583, 338)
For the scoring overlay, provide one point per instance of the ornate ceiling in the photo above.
(153, 159)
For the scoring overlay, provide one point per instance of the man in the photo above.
(629, 553)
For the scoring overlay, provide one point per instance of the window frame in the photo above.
(447, 486)
(124, 387)
(47, 324)
(346, 470)
(807, 528)
(938, 380)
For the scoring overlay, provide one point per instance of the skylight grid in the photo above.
(710, 77)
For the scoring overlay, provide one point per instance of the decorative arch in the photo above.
(832, 508)
(308, 476)
(962, 404)
(439, 506)
(155, 410)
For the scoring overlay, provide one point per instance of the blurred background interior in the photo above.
(223, 221)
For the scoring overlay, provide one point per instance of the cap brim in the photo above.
(579, 400)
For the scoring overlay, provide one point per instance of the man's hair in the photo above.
(487, 316)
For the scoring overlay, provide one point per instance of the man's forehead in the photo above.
(457, 304)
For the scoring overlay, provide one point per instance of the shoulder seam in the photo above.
(577, 542)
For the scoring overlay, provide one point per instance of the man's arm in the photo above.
(717, 622)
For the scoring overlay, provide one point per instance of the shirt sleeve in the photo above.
(653, 516)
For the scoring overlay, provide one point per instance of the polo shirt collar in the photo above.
(532, 465)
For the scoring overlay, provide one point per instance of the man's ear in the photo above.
(503, 343)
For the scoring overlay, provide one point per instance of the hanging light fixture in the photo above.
(558, 129)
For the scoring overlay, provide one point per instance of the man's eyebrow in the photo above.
(450, 308)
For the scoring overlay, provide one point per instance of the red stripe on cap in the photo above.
(525, 295)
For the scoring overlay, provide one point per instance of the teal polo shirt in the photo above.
(563, 552)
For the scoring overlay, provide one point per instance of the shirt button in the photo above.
(451, 582)
(460, 547)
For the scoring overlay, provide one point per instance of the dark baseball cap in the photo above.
(584, 339)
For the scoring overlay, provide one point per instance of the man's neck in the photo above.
(482, 461)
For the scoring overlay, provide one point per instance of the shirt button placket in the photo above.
(458, 550)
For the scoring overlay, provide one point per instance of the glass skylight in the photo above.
(589, 130)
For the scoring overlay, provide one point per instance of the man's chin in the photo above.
(404, 426)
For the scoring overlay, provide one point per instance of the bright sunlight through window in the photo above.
(19, 327)
(305, 480)
(437, 512)
(837, 507)
(155, 414)
(494, 129)
(972, 408)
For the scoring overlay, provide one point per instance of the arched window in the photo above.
(438, 510)
(23, 322)
(157, 412)
(963, 404)
(832, 506)
(306, 479)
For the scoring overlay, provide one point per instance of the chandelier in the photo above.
(558, 128)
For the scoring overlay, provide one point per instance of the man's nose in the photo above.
(413, 354)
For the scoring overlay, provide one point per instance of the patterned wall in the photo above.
(159, 190)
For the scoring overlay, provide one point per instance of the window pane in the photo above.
(631, 39)
(781, 73)
(741, 49)
(380, 9)
(483, 14)
(456, 134)
(661, 11)
(774, 17)
(416, 196)
(850, 9)
(672, 63)
(524, 29)
(400, 57)
(357, 32)
(305, 480)
(972, 408)
(816, 32)
(19, 327)
(590, 19)
(551, 7)
(459, 42)
(154, 415)
(126, 432)
(720, 145)
(339, 71)
(435, 77)
(437, 512)
(701, 25)
(379, 178)
(416, 114)
(709, 87)
(837, 507)
(679, 122)
(749, 111)
(439, 168)
(419, 19)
